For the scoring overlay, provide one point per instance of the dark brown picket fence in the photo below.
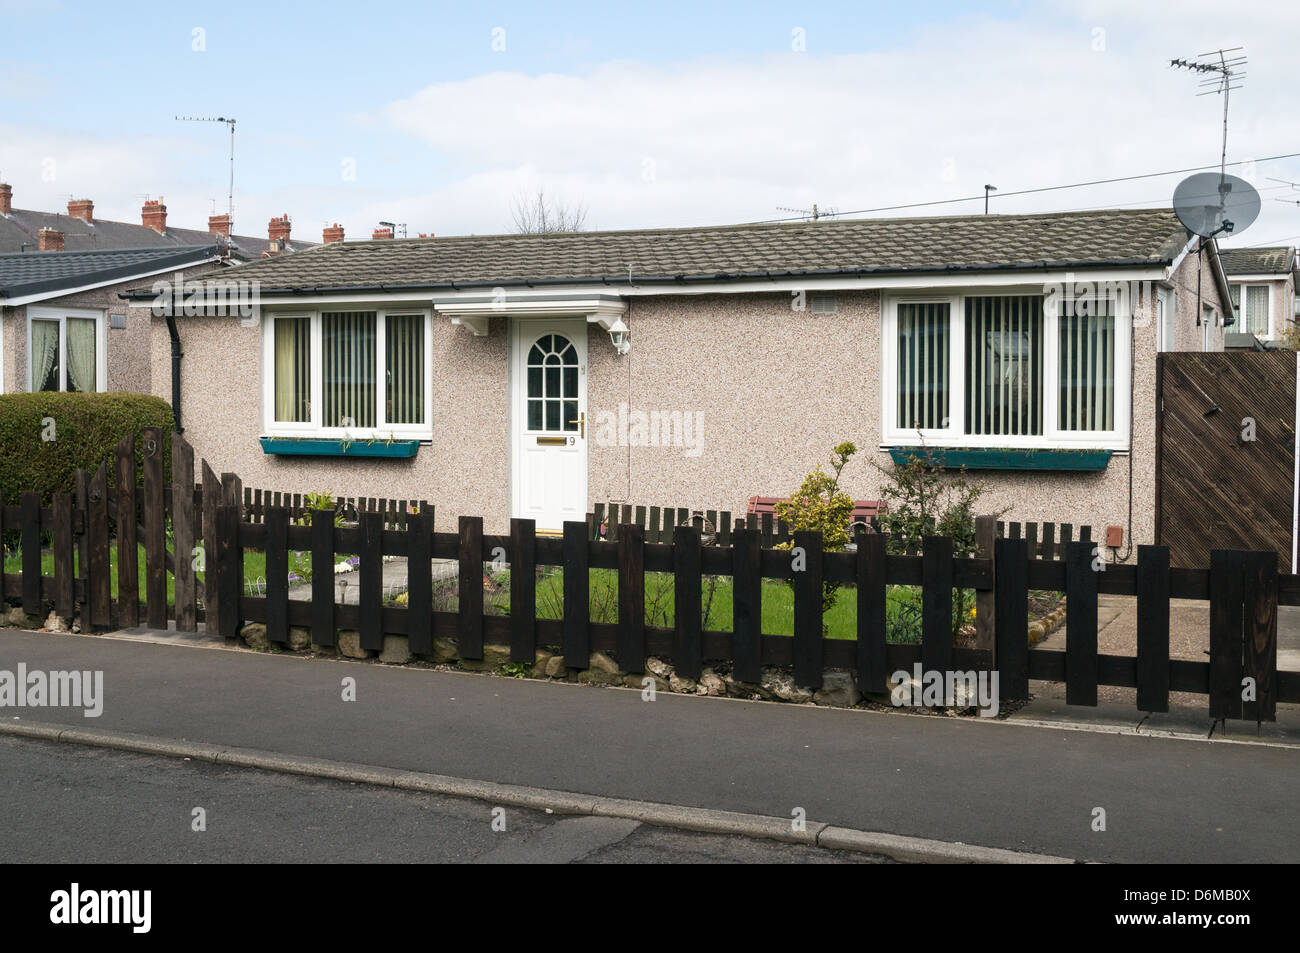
(258, 502)
(1243, 589)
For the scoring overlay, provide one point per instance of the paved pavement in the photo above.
(964, 780)
(66, 804)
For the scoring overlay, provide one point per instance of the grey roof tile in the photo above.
(1278, 259)
(39, 272)
(952, 243)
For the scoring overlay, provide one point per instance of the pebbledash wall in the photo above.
(777, 389)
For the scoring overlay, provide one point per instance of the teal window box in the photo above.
(310, 447)
(978, 458)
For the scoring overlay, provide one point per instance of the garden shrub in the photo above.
(821, 506)
(86, 429)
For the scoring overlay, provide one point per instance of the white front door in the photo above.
(549, 388)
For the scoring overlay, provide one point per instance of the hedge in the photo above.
(86, 429)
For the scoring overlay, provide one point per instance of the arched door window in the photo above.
(553, 385)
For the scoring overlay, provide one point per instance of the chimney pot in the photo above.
(83, 209)
(154, 215)
(219, 225)
(333, 233)
(49, 239)
(6, 198)
(381, 233)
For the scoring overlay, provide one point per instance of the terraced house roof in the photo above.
(1278, 259)
(826, 248)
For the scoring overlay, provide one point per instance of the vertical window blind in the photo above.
(1004, 365)
(293, 370)
(348, 368)
(923, 329)
(404, 344)
(1086, 365)
(1255, 320)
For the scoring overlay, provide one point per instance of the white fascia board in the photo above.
(1257, 279)
(584, 294)
(61, 292)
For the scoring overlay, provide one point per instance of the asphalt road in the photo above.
(64, 803)
(998, 785)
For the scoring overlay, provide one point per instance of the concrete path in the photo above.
(967, 780)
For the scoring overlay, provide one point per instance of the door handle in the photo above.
(582, 424)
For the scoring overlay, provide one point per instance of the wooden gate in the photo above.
(1226, 453)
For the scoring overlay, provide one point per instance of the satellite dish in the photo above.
(1210, 202)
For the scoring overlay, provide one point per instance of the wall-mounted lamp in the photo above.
(618, 336)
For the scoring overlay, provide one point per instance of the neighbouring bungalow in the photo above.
(536, 375)
(1263, 283)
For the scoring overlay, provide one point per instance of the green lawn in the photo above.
(254, 569)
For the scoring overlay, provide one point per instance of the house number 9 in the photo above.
(572, 440)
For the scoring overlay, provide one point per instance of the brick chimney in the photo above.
(277, 230)
(49, 239)
(219, 225)
(333, 233)
(83, 209)
(381, 233)
(154, 215)
(6, 198)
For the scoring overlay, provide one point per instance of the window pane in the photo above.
(293, 369)
(404, 342)
(535, 415)
(348, 368)
(552, 382)
(1256, 321)
(923, 365)
(571, 415)
(534, 382)
(1087, 365)
(80, 354)
(570, 382)
(552, 415)
(1004, 365)
(45, 355)
(1234, 292)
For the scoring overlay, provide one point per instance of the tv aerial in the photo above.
(1213, 203)
(813, 214)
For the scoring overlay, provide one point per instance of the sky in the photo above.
(440, 116)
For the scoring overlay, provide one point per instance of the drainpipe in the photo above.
(177, 354)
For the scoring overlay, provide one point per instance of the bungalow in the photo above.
(535, 375)
(1263, 283)
(63, 325)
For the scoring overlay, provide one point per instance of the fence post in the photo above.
(873, 660)
(322, 578)
(98, 590)
(631, 598)
(1012, 617)
(936, 604)
(211, 500)
(986, 534)
(65, 583)
(183, 533)
(229, 570)
(419, 581)
(688, 648)
(155, 530)
(276, 520)
(469, 614)
(807, 608)
(1153, 628)
(1260, 661)
(371, 597)
(128, 554)
(523, 591)
(1081, 665)
(747, 606)
(31, 540)
(1226, 596)
(575, 641)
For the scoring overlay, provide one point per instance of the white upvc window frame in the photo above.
(953, 436)
(1243, 285)
(314, 427)
(61, 315)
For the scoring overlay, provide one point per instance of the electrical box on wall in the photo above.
(117, 322)
(1114, 537)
